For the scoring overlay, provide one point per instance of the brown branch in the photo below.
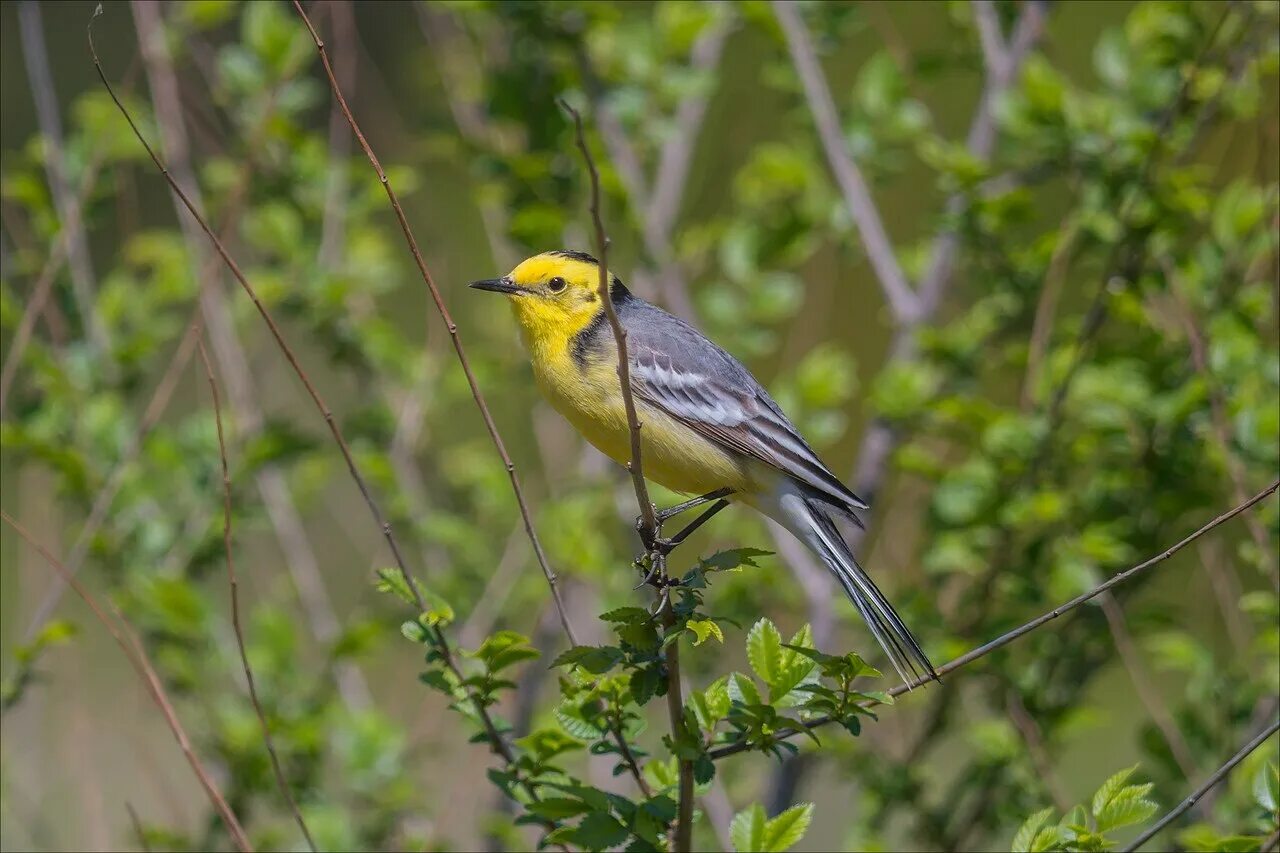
(136, 823)
(1007, 638)
(234, 585)
(141, 663)
(682, 833)
(903, 301)
(1194, 797)
(648, 520)
(450, 325)
(495, 739)
(286, 522)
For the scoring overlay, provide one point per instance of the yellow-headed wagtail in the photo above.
(708, 425)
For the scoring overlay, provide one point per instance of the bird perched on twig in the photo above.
(708, 425)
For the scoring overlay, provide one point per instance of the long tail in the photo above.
(807, 518)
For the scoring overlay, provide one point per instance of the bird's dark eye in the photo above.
(557, 284)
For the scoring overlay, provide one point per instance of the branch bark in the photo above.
(903, 302)
(234, 584)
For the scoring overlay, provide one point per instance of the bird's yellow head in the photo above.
(554, 295)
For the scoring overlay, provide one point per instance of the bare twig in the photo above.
(137, 655)
(234, 585)
(1008, 637)
(903, 302)
(136, 823)
(995, 54)
(452, 327)
(1194, 797)
(299, 556)
(682, 832)
(648, 519)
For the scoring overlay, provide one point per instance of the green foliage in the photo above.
(1115, 805)
(1101, 378)
(753, 832)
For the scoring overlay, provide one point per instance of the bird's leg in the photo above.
(657, 548)
(666, 546)
(664, 514)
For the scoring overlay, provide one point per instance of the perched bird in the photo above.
(708, 425)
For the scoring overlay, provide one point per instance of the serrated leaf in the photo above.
(599, 831)
(746, 831)
(704, 628)
(558, 808)
(1026, 834)
(1124, 811)
(1109, 789)
(594, 659)
(573, 723)
(764, 650)
(785, 830)
(742, 689)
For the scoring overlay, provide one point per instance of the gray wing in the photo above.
(676, 369)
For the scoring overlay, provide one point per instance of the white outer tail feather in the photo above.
(806, 519)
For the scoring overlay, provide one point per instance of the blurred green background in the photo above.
(1135, 147)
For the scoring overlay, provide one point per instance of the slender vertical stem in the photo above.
(234, 584)
(682, 834)
(452, 327)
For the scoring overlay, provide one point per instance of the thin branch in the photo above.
(497, 744)
(1007, 638)
(903, 302)
(136, 823)
(452, 327)
(648, 520)
(141, 663)
(995, 54)
(1194, 797)
(286, 521)
(234, 585)
(283, 345)
(682, 833)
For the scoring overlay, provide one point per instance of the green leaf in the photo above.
(742, 689)
(504, 649)
(599, 831)
(645, 683)
(746, 831)
(1266, 788)
(594, 659)
(723, 561)
(1128, 807)
(393, 581)
(558, 808)
(1109, 789)
(704, 628)
(1026, 834)
(785, 830)
(764, 650)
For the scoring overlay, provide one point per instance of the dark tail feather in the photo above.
(890, 631)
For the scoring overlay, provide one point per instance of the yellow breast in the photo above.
(590, 398)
